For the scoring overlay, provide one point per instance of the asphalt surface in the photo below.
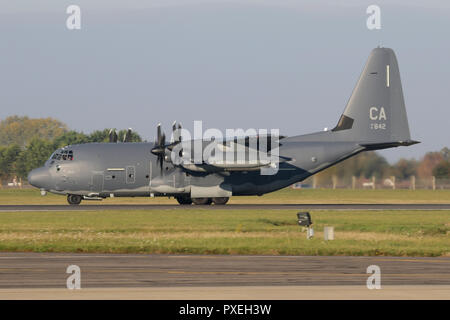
(48, 270)
(87, 207)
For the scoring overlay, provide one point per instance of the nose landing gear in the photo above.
(74, 199)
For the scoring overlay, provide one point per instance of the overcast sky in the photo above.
(233, 64)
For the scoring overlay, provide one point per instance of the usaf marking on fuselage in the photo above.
(374, 118)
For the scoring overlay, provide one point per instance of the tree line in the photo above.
(27, 143)
(372, 164)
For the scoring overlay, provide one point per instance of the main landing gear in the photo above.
(220, 200)
(74, 199)
(185, 200)
(202, 201)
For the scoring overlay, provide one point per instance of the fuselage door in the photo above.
(97, 182)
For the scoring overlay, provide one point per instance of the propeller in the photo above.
(160, 146)
(128, 135)
(112, 135)
(159, 149)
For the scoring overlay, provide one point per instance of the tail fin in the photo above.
(375, 113)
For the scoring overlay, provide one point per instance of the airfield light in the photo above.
(304, 220)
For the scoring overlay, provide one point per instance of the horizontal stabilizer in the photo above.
(385, 145)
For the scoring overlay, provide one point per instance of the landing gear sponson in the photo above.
(185, 200)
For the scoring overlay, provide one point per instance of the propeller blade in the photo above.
(174, 126)
(179, 132)
(176, 132)
(127, 136)
(158, 133)
(112, 135)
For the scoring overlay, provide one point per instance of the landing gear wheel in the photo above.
(184, 200)
(220, 201)
(202, 201)
(74, 199)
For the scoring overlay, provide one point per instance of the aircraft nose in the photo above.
(39, 178)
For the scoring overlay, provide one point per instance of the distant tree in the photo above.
(8, 158)
(99, 136)
(428, 163)
(27, 143)
(442, 170)
(103, 136)
(70, 138)
(366, 164)
(404, 168)
(374, 165)
(135, 137)
(446, 153)
(34, 156)
(74, 137)
(20, 130)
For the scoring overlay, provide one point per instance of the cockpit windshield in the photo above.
(62, 154)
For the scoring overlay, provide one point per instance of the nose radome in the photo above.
(39, 178)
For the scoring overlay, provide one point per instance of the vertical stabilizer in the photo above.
(376, 110)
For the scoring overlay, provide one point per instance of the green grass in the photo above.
(287, 195)
(202, 231)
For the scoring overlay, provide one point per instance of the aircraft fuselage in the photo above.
(130, 169)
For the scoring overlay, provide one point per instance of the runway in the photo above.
(205, 277)
(44, 270)
(38, 275)
(300, 206)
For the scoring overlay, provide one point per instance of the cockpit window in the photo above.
(63, 154)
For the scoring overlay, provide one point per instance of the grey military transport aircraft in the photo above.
(374, 118)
